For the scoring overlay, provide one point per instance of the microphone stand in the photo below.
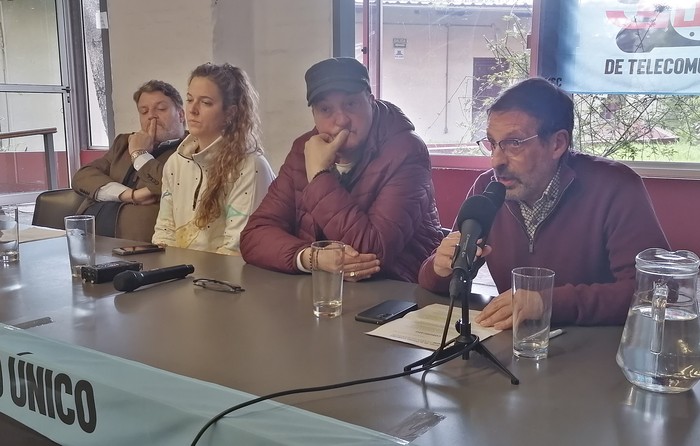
(461, 288)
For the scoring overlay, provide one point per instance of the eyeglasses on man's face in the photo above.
(509, 146)
(218, 285)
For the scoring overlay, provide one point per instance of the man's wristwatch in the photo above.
(137, 153)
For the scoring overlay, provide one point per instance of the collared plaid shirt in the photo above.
(536, 214)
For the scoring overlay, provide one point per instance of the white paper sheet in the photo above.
(424, 327)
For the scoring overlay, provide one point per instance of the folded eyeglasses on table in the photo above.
(218, 285)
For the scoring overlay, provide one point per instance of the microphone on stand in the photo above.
(130, 280)
(474, 222)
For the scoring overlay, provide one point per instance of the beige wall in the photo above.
(154, 39)
(275, 42)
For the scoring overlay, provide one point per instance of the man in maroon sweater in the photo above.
(361, 176)
(582, 216)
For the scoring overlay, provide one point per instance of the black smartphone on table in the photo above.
(386, 311)
(139, 249)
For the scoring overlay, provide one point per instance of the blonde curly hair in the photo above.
(241, 135)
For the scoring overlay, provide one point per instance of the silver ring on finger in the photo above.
(352, 274)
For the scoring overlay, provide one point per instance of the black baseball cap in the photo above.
(338, 73)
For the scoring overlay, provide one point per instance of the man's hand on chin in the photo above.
(320, 152)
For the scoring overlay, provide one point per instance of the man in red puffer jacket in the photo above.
(361, 176)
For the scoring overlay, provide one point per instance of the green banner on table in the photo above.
(77, 396)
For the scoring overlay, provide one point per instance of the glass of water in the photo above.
(532, 311)
(327, 262)
(9, 234)
(80, 233)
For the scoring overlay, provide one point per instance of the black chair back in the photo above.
(51, 206)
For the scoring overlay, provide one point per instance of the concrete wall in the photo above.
(166, 39)
(154, 39)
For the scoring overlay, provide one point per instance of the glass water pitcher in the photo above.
(660, 345)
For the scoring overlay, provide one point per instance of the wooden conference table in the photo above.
(267, 340)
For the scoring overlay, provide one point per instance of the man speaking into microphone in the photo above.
(582, 216)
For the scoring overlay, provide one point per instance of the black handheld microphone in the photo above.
(474, 222)
(130, 280)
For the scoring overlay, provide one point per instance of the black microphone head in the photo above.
(476, 207)
(127, 280)
(483, 208)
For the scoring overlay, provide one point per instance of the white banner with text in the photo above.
(622, 46)
(77, 396)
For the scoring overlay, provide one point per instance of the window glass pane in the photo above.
(641, 52)
(22, 163)
(93, 24)
(27, 111)
(439, 61)
(444, 62)
(29, 46)
(663, 128)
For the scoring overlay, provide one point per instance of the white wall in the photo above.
(289, 39)
(154, 39)
(274, 41)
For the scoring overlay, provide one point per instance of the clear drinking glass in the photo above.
(327, 260)
(80, 234)
(532, 311)
(9, 234)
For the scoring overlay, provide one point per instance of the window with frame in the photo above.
(439, 62)
(95, 35)
(444, 62)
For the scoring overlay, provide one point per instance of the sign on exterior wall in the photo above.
(622, 46)
(399, 47)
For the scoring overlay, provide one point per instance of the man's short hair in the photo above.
(335, 74)
(164, 87)
(542, 100)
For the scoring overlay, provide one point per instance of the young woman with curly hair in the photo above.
(219, 175)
